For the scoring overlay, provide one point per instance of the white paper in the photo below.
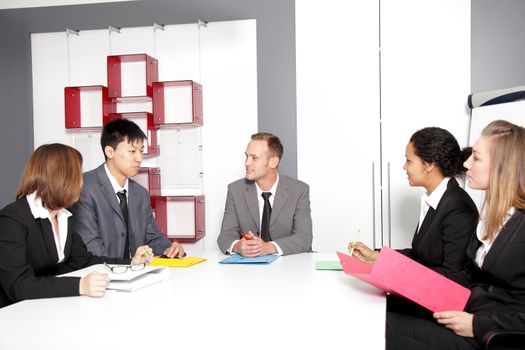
(127, 281)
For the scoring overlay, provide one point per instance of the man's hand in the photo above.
(175, 250)
(253, 246)
(143, 255)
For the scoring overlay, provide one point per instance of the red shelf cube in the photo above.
(177, 103)
(182, 219)
(149, 178)
(131, 76)
(87, 106)
(145, 121)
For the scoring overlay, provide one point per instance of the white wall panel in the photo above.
(87, 57)
(132, 40)
(425, 79)
(338, 118)
(177, 49)
(346, 121)
(50, 76)
(229, 81)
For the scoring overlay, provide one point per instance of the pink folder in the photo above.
(395, 273)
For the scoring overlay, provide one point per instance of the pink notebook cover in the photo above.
(395, 273)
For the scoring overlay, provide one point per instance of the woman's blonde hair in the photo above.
(507, 173)
(54, 171)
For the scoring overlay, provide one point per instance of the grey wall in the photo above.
(275, 64)
(498, 44)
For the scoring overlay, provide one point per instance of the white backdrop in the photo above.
(367, 79)
(220, 56)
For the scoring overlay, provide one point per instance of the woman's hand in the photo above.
(362, 252)
(459, 322)
(94, 284)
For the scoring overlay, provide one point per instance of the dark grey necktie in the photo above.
(124, 207)
(267, 213)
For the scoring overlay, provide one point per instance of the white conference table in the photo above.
(287, 304)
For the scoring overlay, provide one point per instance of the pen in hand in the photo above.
(245, 236)
(351, 251)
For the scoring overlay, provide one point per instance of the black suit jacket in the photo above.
(28, 257)
(498, 288)
(445, 233)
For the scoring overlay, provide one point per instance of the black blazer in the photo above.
(498, 288)
(445, 233)
(28, 257)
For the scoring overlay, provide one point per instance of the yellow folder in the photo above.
(183, 262)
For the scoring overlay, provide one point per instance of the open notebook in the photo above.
(129, 280)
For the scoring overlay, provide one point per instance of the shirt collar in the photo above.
(480, 231)
(114, 183)
(39, 211)
(434, 198)
(272, 190)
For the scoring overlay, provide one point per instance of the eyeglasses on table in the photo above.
(124, 268)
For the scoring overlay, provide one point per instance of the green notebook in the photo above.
(328, 265)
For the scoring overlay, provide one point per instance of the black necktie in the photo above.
(267, 213)
(124, 207)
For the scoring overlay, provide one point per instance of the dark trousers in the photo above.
(410, 326)
(410, 332)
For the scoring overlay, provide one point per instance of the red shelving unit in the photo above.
(177, 103)
(131, 76)
(87, 106)
(181, 218)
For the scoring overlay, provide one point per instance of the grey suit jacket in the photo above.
(97, 218)
(290, 222)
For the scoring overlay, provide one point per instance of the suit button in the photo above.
(122, 234)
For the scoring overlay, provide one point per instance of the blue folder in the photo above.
(239, 259)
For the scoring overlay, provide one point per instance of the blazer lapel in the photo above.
(281, 196)
(49, 240)
(69, 239)
(107, 190)
(250, 196)
(429, 217)
(504, 237)
(431, 214)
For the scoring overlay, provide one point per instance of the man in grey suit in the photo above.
(113, 215)
(266, 213)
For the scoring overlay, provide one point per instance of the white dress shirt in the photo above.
(116, 186)
(260, 201)
(431, 200)
(39, 211)
(485, 243)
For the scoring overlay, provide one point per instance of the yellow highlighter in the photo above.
(358, 233)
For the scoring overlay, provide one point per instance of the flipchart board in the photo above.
(506, 104)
